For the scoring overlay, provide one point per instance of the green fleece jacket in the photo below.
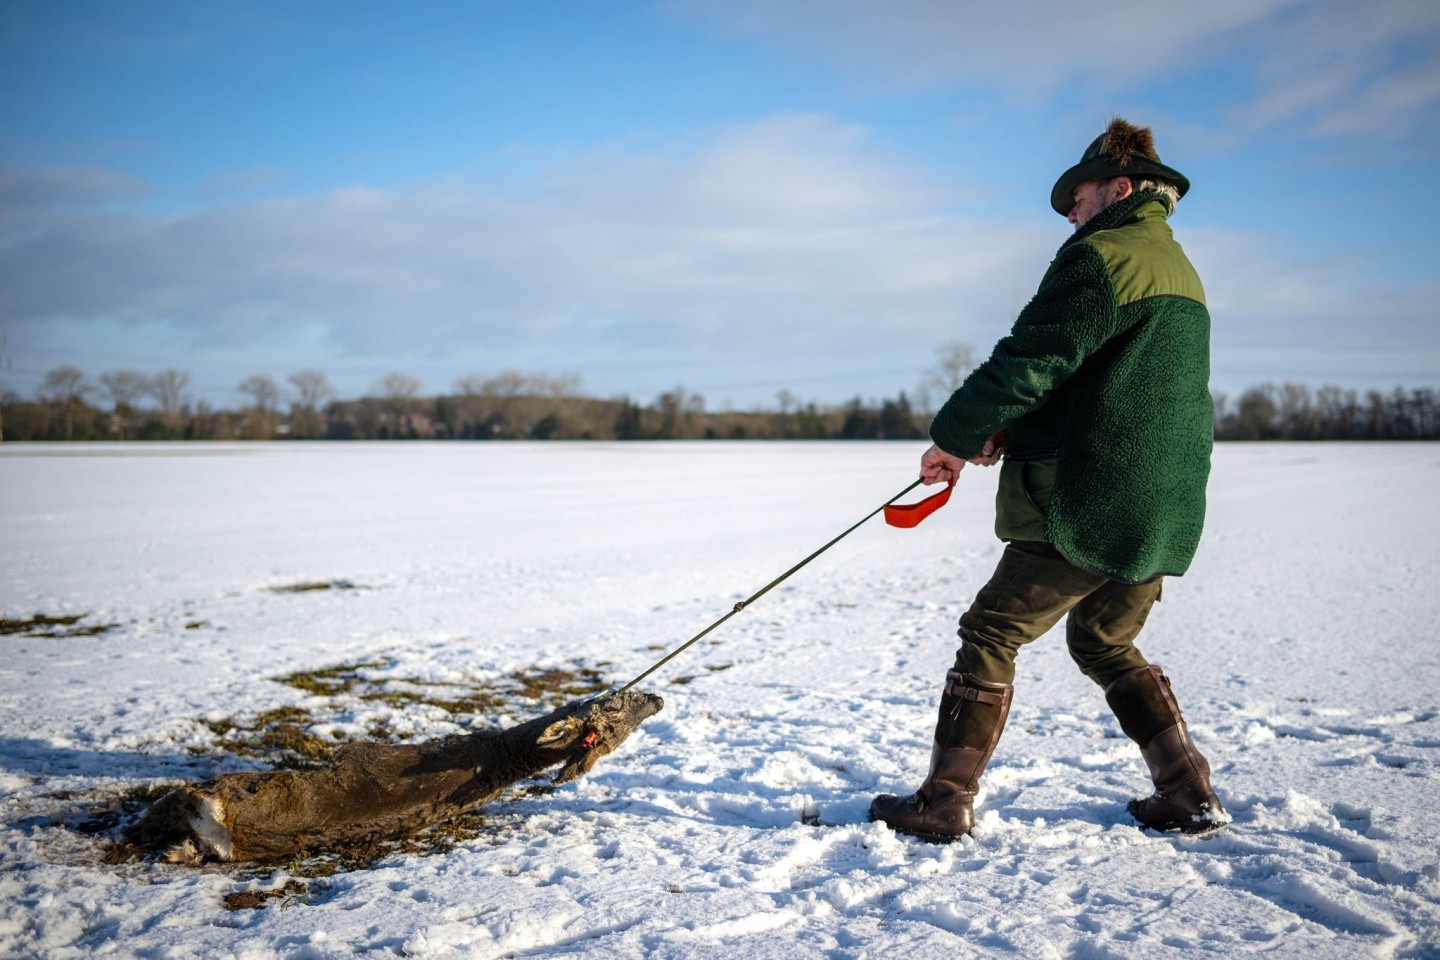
(1102, 389)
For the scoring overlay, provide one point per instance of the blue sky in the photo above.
(737, 197)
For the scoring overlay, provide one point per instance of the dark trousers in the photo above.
(1032, 588)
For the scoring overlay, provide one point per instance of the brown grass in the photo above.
(54, 627)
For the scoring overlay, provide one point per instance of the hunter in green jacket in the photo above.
(1102, 389)
(1099, 401)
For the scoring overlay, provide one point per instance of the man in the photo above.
(1099, 400)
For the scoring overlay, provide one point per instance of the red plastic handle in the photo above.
(910, 514)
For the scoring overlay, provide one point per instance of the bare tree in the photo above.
(1402, 417)
(515, 405)
(1337, 412)
(787, 402)
(681, 414)
(265, 397)
(1221, 401)
(311, 390)
(1377, 420)
(470, 385)
(557, 388)
(543, 401)
(1297, 412)
(66, 387)
(168, 389)
(1257, 414)
(503, 392)
(471, 406)
(398, 389)
(1426, 414)
(263, 392)
(953, 363)
(399, 393)
(123, 388)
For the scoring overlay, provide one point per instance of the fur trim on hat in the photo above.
(1123, 150)
(1123, 139)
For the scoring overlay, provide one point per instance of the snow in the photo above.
(1301, 645)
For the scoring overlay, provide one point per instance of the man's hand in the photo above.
(991, 453)
(937, 466)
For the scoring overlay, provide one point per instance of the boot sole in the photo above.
(918, 835)
(937, 838)
(1194, 828)
(1206, 834)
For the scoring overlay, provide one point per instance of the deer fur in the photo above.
(376, 791)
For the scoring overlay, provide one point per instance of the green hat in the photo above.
(1123, 150)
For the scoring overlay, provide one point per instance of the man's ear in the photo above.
(560, 733)
(1120, 188)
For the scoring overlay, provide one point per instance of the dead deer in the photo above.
(376, 791)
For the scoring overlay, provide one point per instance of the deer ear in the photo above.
(560, 732)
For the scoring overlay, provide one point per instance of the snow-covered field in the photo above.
(1302, 645)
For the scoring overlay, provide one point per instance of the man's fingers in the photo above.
(936, 466)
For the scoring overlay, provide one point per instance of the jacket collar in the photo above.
(1137, 206)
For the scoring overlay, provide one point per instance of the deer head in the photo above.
(595, 728)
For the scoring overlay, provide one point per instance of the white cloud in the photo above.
(1023, 46)
(773, 254)
(65, 187)
(1280, 316)
(781, 245)
(1329, 67)
(1340, 69)
(237, 183)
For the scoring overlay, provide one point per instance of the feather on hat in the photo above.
(1123, 150)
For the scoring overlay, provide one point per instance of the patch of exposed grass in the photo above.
(283, 736)
(54, 627)
(555, 687)
(313, 586)
(450, 834)
(37, 622)
(118, 853)
(364, 854)
(257, 899)
(278, 735)
(475, 702)
(549, 687)
(330, 681)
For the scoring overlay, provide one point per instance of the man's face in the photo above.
(1092, 196)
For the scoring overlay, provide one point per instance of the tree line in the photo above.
(128, 405)
(1293, 411)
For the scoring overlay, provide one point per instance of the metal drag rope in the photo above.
(765, 589)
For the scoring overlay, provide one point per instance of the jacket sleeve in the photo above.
(1070, 317)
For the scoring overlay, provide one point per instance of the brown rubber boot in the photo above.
(1149, 714)
(972, 715)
